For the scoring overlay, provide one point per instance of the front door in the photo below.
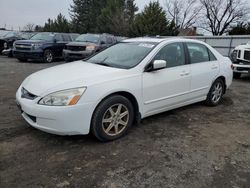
(169, 87)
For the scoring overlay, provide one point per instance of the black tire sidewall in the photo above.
(96, 124)
(44, 56)
(22, 59)
(209, 100)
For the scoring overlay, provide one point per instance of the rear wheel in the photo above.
(112, 118)
(215, 94)
(22, 59)
(48, 56)
(237, 75)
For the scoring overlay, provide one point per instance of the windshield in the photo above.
(88, 38)
(3, 33)
(43, 36)
(123, 55)
(11, 34)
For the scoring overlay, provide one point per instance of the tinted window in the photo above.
(173, 54)
(58, 37)
(198, 52)
(211, 56)
(88, 38)
(66, 37)
(109, 40)
(43, 36)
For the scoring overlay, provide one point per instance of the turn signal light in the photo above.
(232, 66)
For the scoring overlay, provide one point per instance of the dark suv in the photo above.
(42, 46)
(6, 42)
(86, 45)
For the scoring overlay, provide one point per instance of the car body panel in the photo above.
(155, 91)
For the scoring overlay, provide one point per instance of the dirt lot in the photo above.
(194, 146)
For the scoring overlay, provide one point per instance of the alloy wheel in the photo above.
(115, 119)
(217, 92)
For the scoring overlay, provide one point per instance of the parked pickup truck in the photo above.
(86, 45)
(241, 60)
(42, 46)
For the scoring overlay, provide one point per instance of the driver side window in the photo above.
(173, 54)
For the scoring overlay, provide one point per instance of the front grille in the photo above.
(247, 55)
(23, 46)
(27, 95)
(76, 48)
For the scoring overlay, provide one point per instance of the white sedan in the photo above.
(131, 80)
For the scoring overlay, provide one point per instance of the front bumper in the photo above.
(32, 54)
(7, 52)
(244, 69)
(65, 120)
(76, 55)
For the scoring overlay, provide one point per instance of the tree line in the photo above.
(121, 17)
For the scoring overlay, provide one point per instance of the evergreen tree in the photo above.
(117, 17)
(84, 14)
(152, 21)
(60, 24)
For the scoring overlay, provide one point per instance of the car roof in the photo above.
(160, 39)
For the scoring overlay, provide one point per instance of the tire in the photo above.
(216, 92)
(107, 118)
(22, 59)
(48, 56)
(236, 75)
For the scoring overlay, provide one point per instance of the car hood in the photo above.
(80, 44)
(72, 75)
(31, 41)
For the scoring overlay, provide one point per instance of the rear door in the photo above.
(168, 87)
(204, 69)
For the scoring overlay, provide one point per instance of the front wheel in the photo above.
(48, 56)
(215, 94)
(112, 118)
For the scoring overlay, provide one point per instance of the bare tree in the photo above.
(184, 13)
(29, 27)
(219, 15)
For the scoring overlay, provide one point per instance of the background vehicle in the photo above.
(6, 42)
(128, 81)
(42, 46)
(86, 45)
(241, 60)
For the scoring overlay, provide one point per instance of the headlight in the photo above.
(234, 55)
(14, 45)
(90, 48)
(5, 45)
(36, 46)
(63, 98)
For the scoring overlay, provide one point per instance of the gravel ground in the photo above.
(194, 146)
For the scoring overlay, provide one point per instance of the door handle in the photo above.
(214, 67)
(184, 73)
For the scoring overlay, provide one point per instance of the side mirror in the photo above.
(156, 65)
(55, 40)
(102, 42)
(159, 64)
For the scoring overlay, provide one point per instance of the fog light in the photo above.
(5, 45)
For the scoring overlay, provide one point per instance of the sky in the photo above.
(15, 14)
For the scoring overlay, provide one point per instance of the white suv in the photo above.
(241, 60)
(131, 80)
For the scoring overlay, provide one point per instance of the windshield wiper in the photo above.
(103, 62)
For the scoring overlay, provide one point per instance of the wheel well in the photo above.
(132, 99)
(224, 81)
